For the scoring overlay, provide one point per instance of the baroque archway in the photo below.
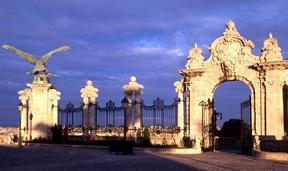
(231, 59)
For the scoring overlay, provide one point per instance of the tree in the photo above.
(231, 128)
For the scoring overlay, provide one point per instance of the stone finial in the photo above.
(89, 92)
(230, 29)
(271, 51)
(133, 87)
(195, 58)
(179, 86)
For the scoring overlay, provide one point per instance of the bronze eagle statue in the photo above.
(40, 65)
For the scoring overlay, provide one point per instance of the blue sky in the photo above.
(112, 40)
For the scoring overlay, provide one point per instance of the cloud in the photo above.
(149, 39)
(155, 51)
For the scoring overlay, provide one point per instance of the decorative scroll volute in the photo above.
(195, 58)
(179, 87)
(230, 50)
(54, 95)
(24, 95)
(271, 51)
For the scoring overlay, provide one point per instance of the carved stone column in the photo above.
(179, 88)
(89, 94)
(23, 97)
(54, 97)
(130, 90)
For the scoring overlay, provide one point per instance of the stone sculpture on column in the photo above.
(89, 94)
(130, 90)
(40, 100)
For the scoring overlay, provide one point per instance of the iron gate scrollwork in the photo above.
(209, 116)
(110, 115)
(70, 115)
(110, 119)
(159, 114)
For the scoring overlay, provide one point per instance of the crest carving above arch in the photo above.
(231, 50)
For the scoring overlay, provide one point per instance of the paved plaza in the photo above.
(52, 157)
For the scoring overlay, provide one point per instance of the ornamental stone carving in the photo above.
(231, 50)
(271, 51)
(24, 96)
(133, 92)
(133, 88)
(179, 87)
(89, 93)
(195, 58)
(231, 59)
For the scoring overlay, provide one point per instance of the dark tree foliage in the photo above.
(231, 128)
(145, 140)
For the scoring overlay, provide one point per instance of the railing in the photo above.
(110, 115)
(158, 114)
(70, 115)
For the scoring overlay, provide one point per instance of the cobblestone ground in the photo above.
(38, 157)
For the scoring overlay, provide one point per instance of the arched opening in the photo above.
(232, 107)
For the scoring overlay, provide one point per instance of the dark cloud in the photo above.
(112, 40)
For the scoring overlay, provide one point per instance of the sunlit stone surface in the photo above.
(231, 59)
(40, 109)
(133, 92)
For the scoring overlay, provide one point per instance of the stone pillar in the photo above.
(85, 117)
(137, 121)
(42, 108)
(89, 94)
(130, 90)
(23, 97)
(179, 88)
(129, 115)
(54, 98)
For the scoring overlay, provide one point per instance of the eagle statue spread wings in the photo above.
(40, 65)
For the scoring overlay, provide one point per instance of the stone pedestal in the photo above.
(40, 109)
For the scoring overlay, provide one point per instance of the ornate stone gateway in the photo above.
(231, 59)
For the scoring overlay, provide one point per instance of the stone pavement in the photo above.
(53, 157)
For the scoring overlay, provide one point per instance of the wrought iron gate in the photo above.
(246, 131)
(208, 125)
(70, 115)
(110, 115)
(159, 114)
